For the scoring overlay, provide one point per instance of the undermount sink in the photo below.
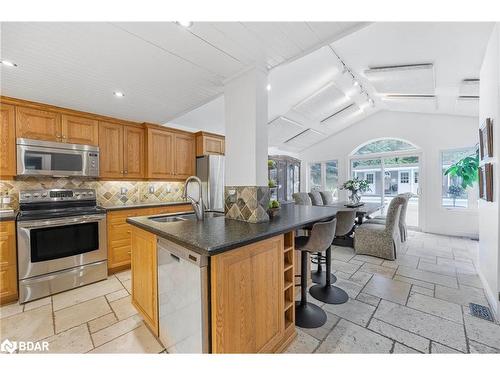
(167, 219)
(184, 217)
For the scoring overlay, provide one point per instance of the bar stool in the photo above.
(307, 314)
(327, 292)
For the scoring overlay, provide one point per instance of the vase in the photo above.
(355, 197)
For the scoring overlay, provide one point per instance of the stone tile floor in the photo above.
(416, 304)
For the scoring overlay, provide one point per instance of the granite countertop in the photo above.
(6, 215)
(217, 235)
(141, 205)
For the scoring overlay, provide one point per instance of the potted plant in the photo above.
(455, 191)
(271, 183)
(274, 208)
(356, 186)
(271, 164)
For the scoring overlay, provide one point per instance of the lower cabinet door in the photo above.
(246, 297)
(145, 276)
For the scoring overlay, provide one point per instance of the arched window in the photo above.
(384, 145)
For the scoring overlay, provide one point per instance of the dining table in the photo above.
(362, 212)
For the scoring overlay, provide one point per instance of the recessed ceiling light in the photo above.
(186, 24)
(119, 94)
(355, 83)
(8, 63)
(268, 87)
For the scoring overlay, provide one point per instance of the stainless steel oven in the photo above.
(61, 241)
(43, 158)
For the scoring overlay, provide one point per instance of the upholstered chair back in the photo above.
(321, 236)
(345, 222)
(327, 197)
(302, 198)
(316, 198)
(393, 213)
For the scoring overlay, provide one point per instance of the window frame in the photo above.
(323, 175)
(470, 198)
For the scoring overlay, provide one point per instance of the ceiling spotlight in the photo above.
(268, 87)
(186, 24)
(119, 94)
(8, 63)
(371, 102)
(355, 83)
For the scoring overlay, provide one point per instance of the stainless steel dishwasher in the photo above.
(184, 309)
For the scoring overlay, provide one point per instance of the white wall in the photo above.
(432, 133)
(489, 260)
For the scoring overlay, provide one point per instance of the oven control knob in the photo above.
(36, 195)
(91, 193)
(77, 195)
(27, 196)
(44, 195)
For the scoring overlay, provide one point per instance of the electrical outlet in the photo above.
(151, 189)
(123, 191)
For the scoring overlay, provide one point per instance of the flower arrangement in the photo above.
(356, 186)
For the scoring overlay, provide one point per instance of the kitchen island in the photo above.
(250, 275)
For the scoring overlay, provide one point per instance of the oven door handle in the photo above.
(61, 222)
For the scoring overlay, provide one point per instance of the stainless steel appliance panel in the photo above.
(42, 286)
(183, 302)
(210, 170)
(44, 158)
(28, 268)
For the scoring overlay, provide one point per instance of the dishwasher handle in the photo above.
(175, 257)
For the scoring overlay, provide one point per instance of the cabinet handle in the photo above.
(129, 252)
(128, 232)
(126, 172)
(121, 172)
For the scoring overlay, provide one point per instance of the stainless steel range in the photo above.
(61, 236)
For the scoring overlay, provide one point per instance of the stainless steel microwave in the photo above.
(44, 158)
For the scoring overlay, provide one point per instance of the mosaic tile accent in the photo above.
(247, 203)
(109, 193)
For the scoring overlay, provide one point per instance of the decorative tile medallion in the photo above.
(247, 203)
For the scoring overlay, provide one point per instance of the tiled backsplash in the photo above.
(247, 203)
(109, 193)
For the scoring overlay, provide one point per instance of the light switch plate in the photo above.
(151, 189)
(123, 191)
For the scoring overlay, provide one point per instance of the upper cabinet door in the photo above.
(110, 150)
(7, 141)
(79, 130)
(133, 144)
(184, 156)
(160, 154)
(214, 145)
(37, 124)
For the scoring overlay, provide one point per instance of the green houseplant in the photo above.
(273, 209)
(466, 169)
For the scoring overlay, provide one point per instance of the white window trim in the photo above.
(471, 207)
(323, 174)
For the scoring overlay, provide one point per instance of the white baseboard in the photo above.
(491, 296)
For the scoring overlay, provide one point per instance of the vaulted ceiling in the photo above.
(163, 69)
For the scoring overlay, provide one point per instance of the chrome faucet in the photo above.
(198, 207)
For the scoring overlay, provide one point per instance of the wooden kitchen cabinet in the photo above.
(110, 150)
(38, 124)
(209, 144)
(145, 276)
(170, 153)
(7, 141)
(133, 152)
(8, 263)
(80, 130)
(160, 153)
(121, 151)
(247, 298)
(118, 232)
(185, 161)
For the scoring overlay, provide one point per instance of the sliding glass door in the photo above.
(389, 176)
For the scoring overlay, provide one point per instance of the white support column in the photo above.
(247, 192)
(245, 100)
